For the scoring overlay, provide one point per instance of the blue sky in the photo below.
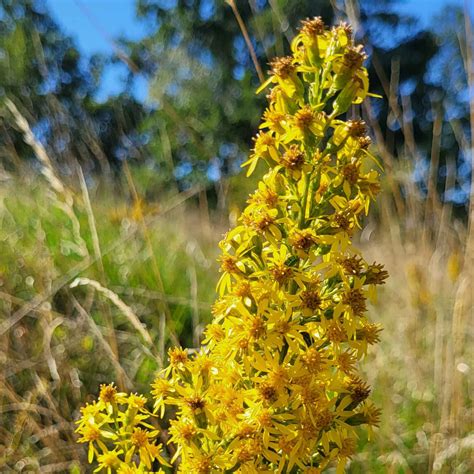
(94, 23)
(426, 9)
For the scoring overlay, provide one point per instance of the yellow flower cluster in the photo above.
(275, 386)
(118, 434)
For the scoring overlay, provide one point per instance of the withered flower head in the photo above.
(372, 415)
(305, 117)
(281, 273)
(312, 26)
(357, 128)
(364, 142)
(351, 173)
(358, 389)
(311, 299)
(376, 275)
(346, 27)
(354, 57)
(293, 158)
(195, 402)
(267, 391)
(302, 239)
(356, 300)
(348, 447)
(342, 221)
(370, 332)
(352, 265)
(282, 67)
(107, 393)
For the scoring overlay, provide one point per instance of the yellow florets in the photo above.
(107, 393)
(139, 438)
(275, 386)
(177, 356)
(89, 434)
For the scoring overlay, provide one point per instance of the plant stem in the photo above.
(305, 201)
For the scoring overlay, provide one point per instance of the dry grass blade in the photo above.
(248, 42)
(47, 167)
(48, 329)
(65, 199)
(115, 299)
(91, 220)
(41, 298)
(106, 346)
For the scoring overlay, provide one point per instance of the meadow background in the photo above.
(119, 173)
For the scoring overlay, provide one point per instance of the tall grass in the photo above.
(80, 305)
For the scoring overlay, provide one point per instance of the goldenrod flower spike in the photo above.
(275, 387)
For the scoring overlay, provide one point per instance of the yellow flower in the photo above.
(275, 387)
(107, 393)
(305, 124)
(109, 461)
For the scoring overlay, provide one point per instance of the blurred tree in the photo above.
(447, 77)
(423, 74)
(44, 74)
(203, 79)
(202, 83)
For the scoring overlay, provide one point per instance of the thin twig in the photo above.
(246, 36)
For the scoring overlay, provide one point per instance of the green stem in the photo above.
(305, 201)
